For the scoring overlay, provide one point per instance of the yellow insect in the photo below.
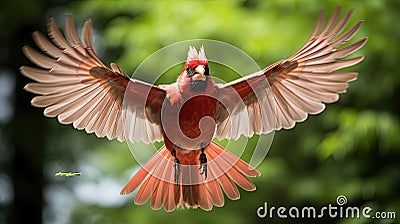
(67, 174)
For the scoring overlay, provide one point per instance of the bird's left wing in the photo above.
(287, 91)
(75, 86)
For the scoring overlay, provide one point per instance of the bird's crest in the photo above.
(195, 58)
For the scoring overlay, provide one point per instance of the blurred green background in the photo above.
(351, 149)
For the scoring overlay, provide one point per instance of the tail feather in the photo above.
(141, 175)
(190, 195)
(232, 171)
(172, 197)
(217, 196)
(146, 190)
(190, 181)
(165, 187)
(157, 201)
(155, 165)
(158, 196)
(229, 187)
(206, 200)
(156, 180)
(229, 157)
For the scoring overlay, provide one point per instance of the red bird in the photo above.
(75, 86)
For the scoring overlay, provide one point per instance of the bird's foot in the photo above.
(203, 164)
(177, 168)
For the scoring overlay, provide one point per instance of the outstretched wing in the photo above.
(75, 86)
(287, 91)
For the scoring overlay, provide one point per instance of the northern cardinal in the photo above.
(190, 169)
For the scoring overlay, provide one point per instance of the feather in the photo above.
(300, 85)
(45, 45)
(155, 180)
(75, 86)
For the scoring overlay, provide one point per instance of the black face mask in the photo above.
(198, 85)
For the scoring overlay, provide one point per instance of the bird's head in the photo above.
(195, 73)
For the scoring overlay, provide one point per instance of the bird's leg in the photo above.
(203, 163)
(177, 167)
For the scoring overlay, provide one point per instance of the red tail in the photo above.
(156, 180)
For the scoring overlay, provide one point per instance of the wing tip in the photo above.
(27, 87)
(24, 70)
(25, 49)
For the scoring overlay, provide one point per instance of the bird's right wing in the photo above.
(75, 86)
(287, 91)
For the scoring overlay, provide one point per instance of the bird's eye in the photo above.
(189, 71)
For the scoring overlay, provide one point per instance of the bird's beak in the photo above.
(198, 73)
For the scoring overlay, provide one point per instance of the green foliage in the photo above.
(365, 130)
(351, 149)
(346, 150)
